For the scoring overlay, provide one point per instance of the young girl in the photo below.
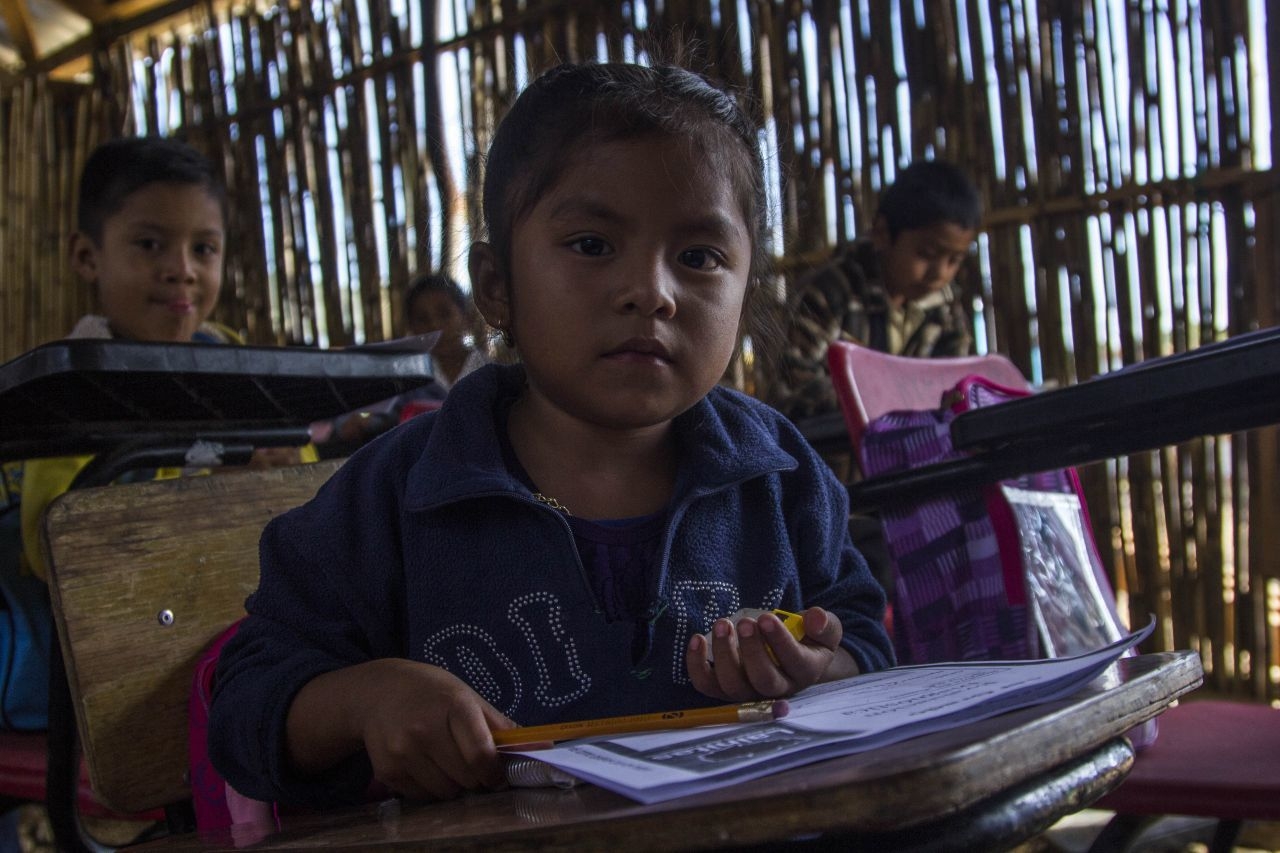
(435, 303)
(553, 543)
(432, 303)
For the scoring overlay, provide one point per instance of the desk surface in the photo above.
(860, 797)
(81, 396)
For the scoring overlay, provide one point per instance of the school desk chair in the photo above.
(148, 405)
(143, 577)
(1216, 759)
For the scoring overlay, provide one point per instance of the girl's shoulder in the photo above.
(738, 407)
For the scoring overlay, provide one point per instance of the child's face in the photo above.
(158, 268)
(434, 311)
(921, 261)
(627, 283)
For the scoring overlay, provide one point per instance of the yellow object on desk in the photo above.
(749, 712)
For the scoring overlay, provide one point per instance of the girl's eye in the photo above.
(593, 246)
(206, 249)
(147, 244)
(701, 259)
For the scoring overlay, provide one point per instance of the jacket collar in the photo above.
(725, 438)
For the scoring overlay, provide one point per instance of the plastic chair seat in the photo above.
(1213, 758)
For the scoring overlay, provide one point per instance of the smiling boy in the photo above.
(152, 222)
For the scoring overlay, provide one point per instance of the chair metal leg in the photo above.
(1225, 835)
(1120, 832)
(62, 773)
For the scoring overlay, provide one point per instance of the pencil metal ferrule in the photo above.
(756, 712)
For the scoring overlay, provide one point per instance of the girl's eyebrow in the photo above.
(578, 206)
(713, 222)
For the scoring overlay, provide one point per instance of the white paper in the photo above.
(827, 720)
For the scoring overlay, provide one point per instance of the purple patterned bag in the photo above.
(1001, 572)
(952, 596)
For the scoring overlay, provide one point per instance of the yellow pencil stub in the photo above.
(793, 622)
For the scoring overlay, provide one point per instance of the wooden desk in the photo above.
(996, 782)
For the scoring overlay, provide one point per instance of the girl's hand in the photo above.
(745, 670)
(426, 732)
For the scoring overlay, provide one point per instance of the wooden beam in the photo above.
(130, 15)
(94, 10)
(117, 25)
(69, 52)
(20, 29)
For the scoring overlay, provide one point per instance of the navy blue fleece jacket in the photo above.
(424, 546)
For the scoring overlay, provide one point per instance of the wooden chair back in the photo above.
(143, 577)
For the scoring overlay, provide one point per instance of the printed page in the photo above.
(827, 720)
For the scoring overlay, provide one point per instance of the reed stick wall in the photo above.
(1123, 150)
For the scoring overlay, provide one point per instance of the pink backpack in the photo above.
(217, 804)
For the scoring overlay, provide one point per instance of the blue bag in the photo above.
(26, 629)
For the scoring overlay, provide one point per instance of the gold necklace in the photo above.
(551, 502)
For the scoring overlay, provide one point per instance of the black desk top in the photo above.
(80, 396)
(1214, 389)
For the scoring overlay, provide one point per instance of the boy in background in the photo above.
(892, 291)
(150, 239)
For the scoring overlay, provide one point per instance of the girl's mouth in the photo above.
(641, 349)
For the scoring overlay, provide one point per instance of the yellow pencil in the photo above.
(750, 712)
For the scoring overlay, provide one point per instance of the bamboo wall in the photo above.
(1122, 148)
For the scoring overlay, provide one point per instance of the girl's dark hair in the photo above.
(574, 105)
(435, 283)
(928, 192)
(119, 168)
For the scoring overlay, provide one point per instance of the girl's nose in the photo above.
(649, 290)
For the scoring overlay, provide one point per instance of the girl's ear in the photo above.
(489, 286)
(84, 258)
